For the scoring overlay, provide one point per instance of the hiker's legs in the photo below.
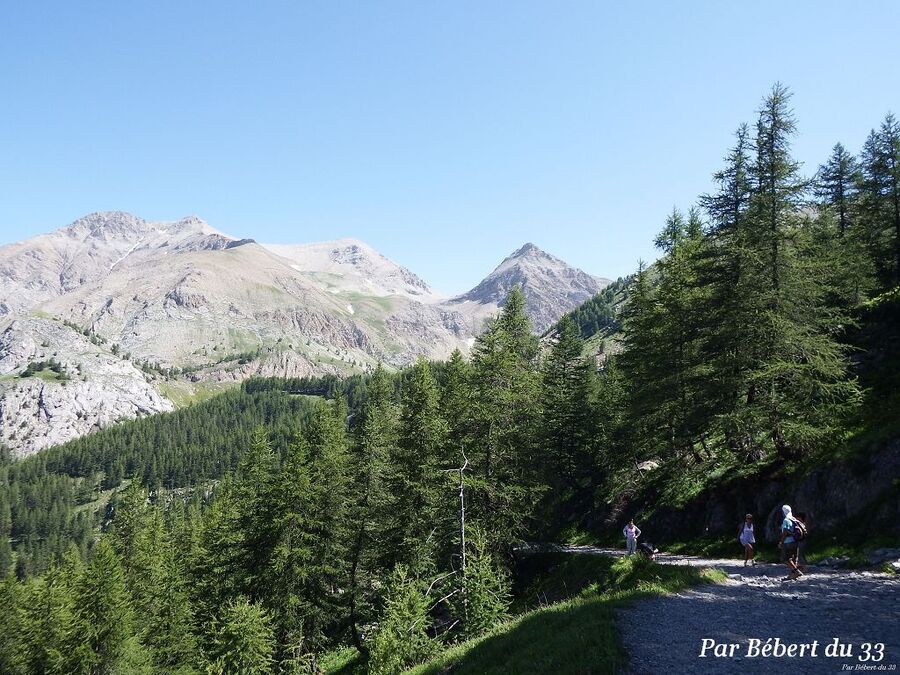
(748, 552)
(790, 556)
(632, 545)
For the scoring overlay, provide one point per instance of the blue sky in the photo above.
(446, 134)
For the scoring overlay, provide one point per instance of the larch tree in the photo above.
(506, 478)
(880, 199)
(309, 560)
(836, 185)
(567, 419)
(414, 478)
(104, 638)
(243, 640)
(376, 436)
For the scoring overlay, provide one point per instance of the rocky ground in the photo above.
(665, 634)
(93, 390)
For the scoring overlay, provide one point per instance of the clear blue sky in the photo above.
(446, 134)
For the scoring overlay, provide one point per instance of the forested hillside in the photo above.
(54, 498)
(766, 339)
(600, 312)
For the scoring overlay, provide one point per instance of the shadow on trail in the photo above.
(665, 634)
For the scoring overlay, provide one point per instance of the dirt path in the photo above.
(665, 635)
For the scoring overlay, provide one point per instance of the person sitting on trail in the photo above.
(747, 537)
(788, 544)
(631, 532)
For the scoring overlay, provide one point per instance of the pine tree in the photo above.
(375, 438)
(567, 424)
(506, 381)
(243, 640)
(880, 199)
(104, 640)
(402, 638)
(308, 563)
(414, 480)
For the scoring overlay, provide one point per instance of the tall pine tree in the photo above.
(414, 480)
(507, 477)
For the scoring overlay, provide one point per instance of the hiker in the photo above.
(631, 532)
(747, 537)
(801, 545)
(788, 544)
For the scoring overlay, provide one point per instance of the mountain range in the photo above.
(114, 317)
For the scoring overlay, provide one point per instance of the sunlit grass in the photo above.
(577, 635)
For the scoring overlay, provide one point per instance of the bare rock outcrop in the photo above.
(93, 388)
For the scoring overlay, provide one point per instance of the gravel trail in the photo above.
(665, 634)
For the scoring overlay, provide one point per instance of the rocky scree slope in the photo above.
(92, 389)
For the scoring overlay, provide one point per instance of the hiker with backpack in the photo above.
(747, 537)
(792, 533)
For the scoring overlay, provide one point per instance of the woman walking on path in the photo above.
(631, 532)
(747, 537)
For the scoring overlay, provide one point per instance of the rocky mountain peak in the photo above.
(108, 226)
(551, 286)
(530, 250)
(103, 224)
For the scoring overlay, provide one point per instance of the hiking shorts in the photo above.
(789, 552)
